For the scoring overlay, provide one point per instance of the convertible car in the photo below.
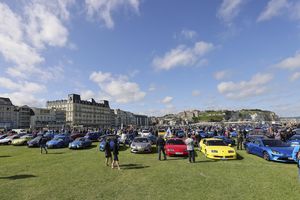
(294, 140)
(215, 148)
(22, 140)
(80, 143)
(176, 147)
(59, 141)
(270, 149)
(141, 145)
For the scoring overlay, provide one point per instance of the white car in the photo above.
(9, 139)
(145, 133)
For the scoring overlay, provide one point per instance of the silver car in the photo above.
(141, 145)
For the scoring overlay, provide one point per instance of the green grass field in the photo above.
(81, 174)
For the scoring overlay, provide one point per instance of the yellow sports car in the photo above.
(21, 141)
(216, 149)
(162, 132)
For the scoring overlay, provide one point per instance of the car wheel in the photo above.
(266, 156)
(9, 142)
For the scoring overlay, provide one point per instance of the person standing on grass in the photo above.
(240, 139)
(42, 144)
(107, 152)
(160, 144)
(190, 148)
(115, 153)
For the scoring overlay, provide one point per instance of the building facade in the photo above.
(84, 113)
(8, 114)
(23, 114)
(141, 120)
(124, 118)
(47, 118)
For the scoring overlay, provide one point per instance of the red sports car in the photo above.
(176, 147)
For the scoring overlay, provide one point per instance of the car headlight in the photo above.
(214, 151)
(276, 152)
(230, 151)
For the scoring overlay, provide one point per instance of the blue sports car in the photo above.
(270, 149)
(59, 141)
(94, 136)
(294, 140)
(296, 155)
(226, 140)
(80, 143)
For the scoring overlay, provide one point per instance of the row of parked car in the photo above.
(73, 141)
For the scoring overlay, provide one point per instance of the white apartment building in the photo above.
(84, 113)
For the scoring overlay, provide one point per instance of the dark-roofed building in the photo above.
(86, 113)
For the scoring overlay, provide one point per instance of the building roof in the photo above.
(5, 101)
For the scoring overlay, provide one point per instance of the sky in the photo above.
(153, 56)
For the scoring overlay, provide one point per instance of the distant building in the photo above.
(123, 118)
(84, 113)
(141, 120)
(23, 114)
(8, 115)
(47, 118)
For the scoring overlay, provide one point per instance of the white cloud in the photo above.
(196, 93)
(118, 88)
(290, 63)
(245, 89)
(188, 34)
(183, 56)
(229, 10)
(44, 27)
(21, 86)
(167, 100)
(103, 9)
(274, 8)
(223, 74)
(22, 36)
(295, 76)
(87, 94)
(24, 98)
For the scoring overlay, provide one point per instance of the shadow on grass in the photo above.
(17, 177)
(55, 152)
(87, 148)
(133, 166)
(239, 157)
(5, 156)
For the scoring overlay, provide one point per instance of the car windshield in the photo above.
(176, 142)
(295, 137)
(141, 140)
(275, 143)
(216, 143)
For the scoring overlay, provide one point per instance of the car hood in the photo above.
(177, 147)
(5, 140)
(283, 150)
(140, 144)
(219, 148)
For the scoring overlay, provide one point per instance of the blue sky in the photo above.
(153, 56)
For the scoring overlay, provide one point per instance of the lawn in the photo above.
(81, 174)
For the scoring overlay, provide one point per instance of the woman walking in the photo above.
(107, 152)
(115, 153)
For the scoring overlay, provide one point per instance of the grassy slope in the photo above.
(66, 174)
